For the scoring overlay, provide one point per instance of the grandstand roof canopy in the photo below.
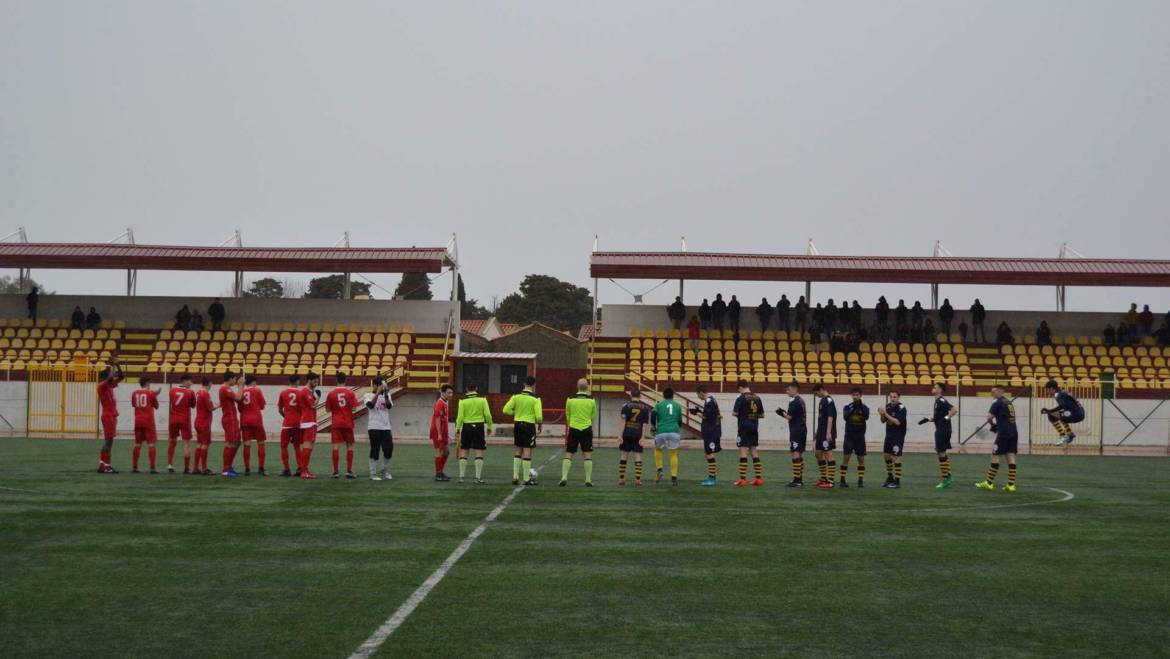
(880, 269)
(102, 256)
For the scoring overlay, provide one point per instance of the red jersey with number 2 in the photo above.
(289, 406)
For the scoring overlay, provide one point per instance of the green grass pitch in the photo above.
(168, 565)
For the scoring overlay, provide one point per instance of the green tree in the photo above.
(11, 285)
(550, 301)
(332, 287)
(414, 286)
(266, 287)
(470, 309)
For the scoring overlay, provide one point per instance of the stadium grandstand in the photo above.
(410, 343)
(644, 346)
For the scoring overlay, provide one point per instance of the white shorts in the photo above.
(670, 440)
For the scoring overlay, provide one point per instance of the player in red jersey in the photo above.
(179, 423)
(252, 405)
(440, 431)
(229, 401)
(307, 402)
(109, 403)
(144, 400)
(204, 407)
(340, 403)
(290, 413)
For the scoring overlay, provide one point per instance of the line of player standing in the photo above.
(241, 405)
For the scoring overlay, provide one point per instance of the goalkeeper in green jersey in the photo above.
(666, 424)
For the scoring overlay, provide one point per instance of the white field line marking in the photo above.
(381, 634)
(13, 489)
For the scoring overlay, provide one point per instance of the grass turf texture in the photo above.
(140, 565)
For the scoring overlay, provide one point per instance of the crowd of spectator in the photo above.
(845, 325)
(186, 319)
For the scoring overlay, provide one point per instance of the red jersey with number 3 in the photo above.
(204, 407)
(252, 407)
(289, 406)
(340, 402)
(182, 402)
(144, 402)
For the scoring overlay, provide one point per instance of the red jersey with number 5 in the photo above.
(252, 407)
(341, 402)
(289, 407)
(144, 402)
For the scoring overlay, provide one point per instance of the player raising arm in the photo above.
(109, 404)
(307, 403)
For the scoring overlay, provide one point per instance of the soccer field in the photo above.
(1074, 564)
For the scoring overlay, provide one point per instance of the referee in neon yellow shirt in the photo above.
(580, 411)
(472, 424)
(524, 408)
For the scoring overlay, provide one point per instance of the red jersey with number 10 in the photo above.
(182, 402)
(341, 402)
(144, 402)
(252, 407)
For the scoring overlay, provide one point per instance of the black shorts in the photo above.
(711, 445)
(746, 439)
(631, 445)
(381, 440)
(1005, 445)
(942, 439)
(1072, 416)
(854, 444)
(524, 434)
(826, 444)
(579, 439)
(473, 437)
(797, 440)
(893, 445)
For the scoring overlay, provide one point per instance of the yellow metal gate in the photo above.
(63, 400)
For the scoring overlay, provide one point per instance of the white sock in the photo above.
(373, 466)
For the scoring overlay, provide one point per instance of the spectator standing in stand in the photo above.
(705, 315)
(946, 314)
(677, 313)
(733, 315)
(764, 313)
(978, 316)
(216, 313)
(783, 307)
(718, 311)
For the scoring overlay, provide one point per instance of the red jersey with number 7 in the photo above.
(182, 402)
(340, 402)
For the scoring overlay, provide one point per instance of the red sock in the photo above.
(201, 456)
(284, 452)
(135, 454)
(438, 465)
(171, 452)
(229, 456)
(336, 456)
(152, 453)
(349, 458)
(306, 456)
(443, 466)
(105, 458)
(187, 461)
(260, 454)
(248, 456)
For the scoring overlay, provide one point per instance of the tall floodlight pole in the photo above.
(235, 240)
(23, 274)
(939, 251)
(347, 278)
(594, 289)
(131, 273)
(680, 281)
(1066, 252)
(810, 250)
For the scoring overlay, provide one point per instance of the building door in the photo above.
(477, 374)
(512, 377)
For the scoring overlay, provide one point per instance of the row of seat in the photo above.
(773, 367)
(55, 323)
(268, 348)
(786, 356)
(285, 336)
(216, 369)
(250, 326)
(1099, 350)
(1014, 382)
(1091, 372)
(767, 344)
(1091, 360)
(274, 358)
(1023, 339)
(37, 333)
(53, 356)
(58, 344)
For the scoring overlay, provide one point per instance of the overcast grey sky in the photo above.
(999, 128)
